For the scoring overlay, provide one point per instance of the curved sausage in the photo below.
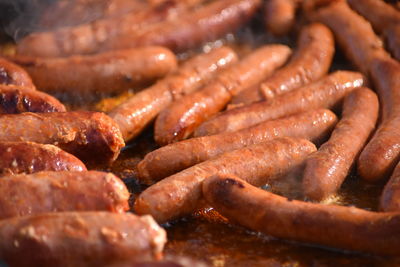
(91, 136)
(327, 168)
(12, 74)
(79, 238)
(280, 15)
(179, 120)
(326, 93)
(312, 125)
(137, 112)
(17, 99)
(180, 194)
(347, 228)
(28, 157)
(109, 72)
(390, 199)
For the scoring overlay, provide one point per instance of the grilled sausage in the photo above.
(326, 93)
(17, 99)
(280, 16)
(91, 136)
(313, 125)
(11, 74)
(327, 168)
(390, 199)
(28, 157)
(79, 239)
(137, 112)
(259, 210)
(180, 194)
(180, 120)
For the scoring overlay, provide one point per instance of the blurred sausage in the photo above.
(326, 93)
(11, 74)
(347, 228)
(137, 112)
(91, 136)
(79, 239)
(180, 194)
(179, 120)
(313, 125)
(280, 15)
(327, 168)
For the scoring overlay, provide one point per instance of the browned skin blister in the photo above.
(110, 72)
(91, 136)
(180, 194)
(280, 15)
(48, 191)
(313, 125)
(28, 157)
(12, 74)
(347, 228)
(327, 168)
(80, 239)
(326, 93)
(137, 112)
(390, 199)
(178, 121)
(18, 99)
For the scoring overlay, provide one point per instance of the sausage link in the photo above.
(327, 168)
(313, 125)
(12, 74)
(180, 120)
(80, 239)
(180, 194)
(390, 199)
(137, 112)
(259, 210)
(280, 15)
(326, 93)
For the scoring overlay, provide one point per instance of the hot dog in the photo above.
(327, 168)
(280, 15)
(11, 74)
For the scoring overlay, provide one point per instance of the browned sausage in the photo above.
(311, 61)
(390, 199)
(180, 194)
(178, 121)
(313, 125)
(17, 99)
(280, 15)
(11, 74)
(326, 93)
(109, 72)
(28, 157)
(347, 228)
(327, 168)
(137, 112)
(79, 239)
(91, 136)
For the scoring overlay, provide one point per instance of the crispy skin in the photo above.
(326, 93)
(280, 15)
(312, 125)
(178, 121)
(137, 112)
(12, 74)
(79, 239)
(347, 228)
(91, 136)
(327, 168)
(180, 194)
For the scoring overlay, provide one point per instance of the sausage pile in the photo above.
(225, 122)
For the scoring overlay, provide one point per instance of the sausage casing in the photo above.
(12, 74)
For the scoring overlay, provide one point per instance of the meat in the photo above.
(327, 168)
(11, 74)
(91, 136)
(180, 194)
(280, 15)
(313, 125)
(178, 121)
(390, 199)
(137, 112)
(326, 93)
(347, 228)
(79, 239)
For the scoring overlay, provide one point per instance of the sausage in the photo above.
(137, 112)
(17, 99)
(312, 125)
(327, 168)
(109, 72)
(28, 157)
(91, 136)
(12, 74)
(310, 62)
(79, 239)
(326, 93)
(347, 228)
(280, 15)
(180, 194)
(179, 120)
(390, 198)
